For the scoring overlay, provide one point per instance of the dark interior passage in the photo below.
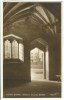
(28, 26)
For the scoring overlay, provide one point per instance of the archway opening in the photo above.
(37, 64)
(39, 55)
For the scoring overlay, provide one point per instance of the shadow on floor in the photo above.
(35, 89)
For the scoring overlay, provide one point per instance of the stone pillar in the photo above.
(52, 63)
(27, 60)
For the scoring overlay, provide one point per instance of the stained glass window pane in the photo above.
(7, 49)
(14, 49)
(21, 51)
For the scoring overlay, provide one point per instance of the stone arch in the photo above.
(43, 45)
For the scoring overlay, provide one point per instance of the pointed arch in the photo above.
(14, 49)
(7, 49)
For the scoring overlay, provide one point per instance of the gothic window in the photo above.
(21, 51)
(7, 49)
(14, 49)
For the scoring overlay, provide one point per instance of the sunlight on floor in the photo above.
(37, 74)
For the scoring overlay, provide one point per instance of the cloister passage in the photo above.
(31, 47)
(28, 27)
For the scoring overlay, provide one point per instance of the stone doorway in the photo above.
(37, 64)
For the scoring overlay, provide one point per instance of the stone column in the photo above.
(27, 60)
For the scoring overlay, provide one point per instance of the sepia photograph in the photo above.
(32, 50)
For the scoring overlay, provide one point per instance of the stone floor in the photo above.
(34, 89)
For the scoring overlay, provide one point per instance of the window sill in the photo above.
(13, 61)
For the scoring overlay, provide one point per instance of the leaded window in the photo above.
(13, 47)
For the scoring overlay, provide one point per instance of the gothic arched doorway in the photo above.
(37, 64)
(39, 55)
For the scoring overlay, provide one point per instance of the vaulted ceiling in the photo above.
(32, 20)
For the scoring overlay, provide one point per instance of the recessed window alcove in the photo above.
(13, 48)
